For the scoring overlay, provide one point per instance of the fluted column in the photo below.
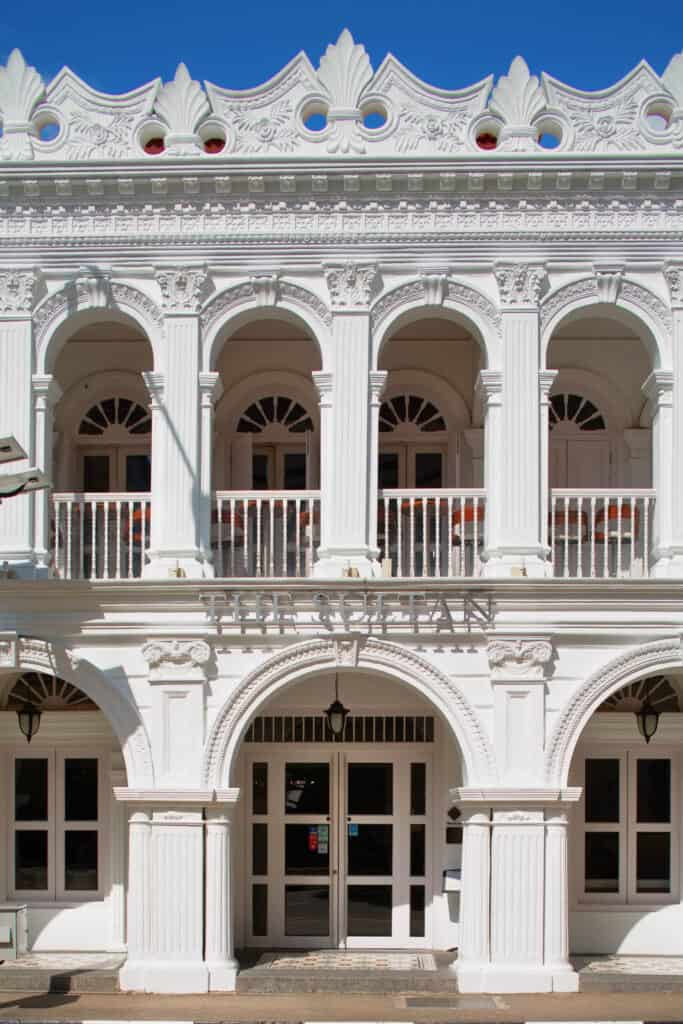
(557, 901)
(175, 547)
(16, 412)
(219, 938)
(671, 460)
(489, 391)
(210, 389)
(378, 380)
(474, 951)
(46, 394)
(658, 388)
(116, 896)
(132, 974)
(347, 538)
(521, 546)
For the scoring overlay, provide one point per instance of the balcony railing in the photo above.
(265, 533)
(99, 536)
(601, 534)
(431, 532)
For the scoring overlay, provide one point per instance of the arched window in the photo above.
(657, 689)
(413, 444)
(114, 443)
(49, 693)
(281, 430)
(577, 410)
(275, 409)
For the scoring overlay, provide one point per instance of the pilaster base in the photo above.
(177, 565)
(164, 977)
(337, 563)
(19, 565)
(508, 563)
(223, 976)
(511, 978)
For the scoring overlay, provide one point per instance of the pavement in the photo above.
(648, 1007)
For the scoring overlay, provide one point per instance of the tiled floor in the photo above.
(339, 960)
(668, 965)
(64, 962)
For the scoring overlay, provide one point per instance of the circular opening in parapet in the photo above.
(314, 116)
(549, 133)
(658, 116)
(487, 140)
(374, 115)
(47, 125)
(154, 146)
(214, 145)
(152, 138)
(213, 136)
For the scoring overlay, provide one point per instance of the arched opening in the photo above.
(343, 843)
(431, 448)
(62, 848)
(600, 446)
(102, 451)
(625, 833)
(266, 450)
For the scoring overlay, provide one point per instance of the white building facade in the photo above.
(345, 384)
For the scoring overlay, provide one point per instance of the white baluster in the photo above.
(411, 506)
(605, 534)
(297, 541)
(272, 503)
(68, 539)
(258, 536)
(553, 513)
(592, 538)
(579, 538)
(619, 528)
(131, 540)
(437, 536)
(399, 535)
(117, 568)
(646, 536)
(105, 527)
(449, 534)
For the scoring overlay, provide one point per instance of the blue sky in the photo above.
(119, 44)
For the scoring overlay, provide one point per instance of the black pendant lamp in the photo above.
(336, 714)
(29, 720)
(647, 719)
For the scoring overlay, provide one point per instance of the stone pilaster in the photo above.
(659, 390)
(219, 937)
(46, 394)
(474, 950)
(116, 895)
(210, 389)
(132, 975)
(674, 279)
(489, 390)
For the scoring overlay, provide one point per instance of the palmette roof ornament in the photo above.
(340, 110)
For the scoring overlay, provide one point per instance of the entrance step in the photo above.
(61, 972)
(617, 973)
(367, 973)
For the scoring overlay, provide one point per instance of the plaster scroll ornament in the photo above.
(352, 285)
(92, 289)
(434, 288)
(608, 282)
(182, 288)
(176, 653)
(517, 99)
(182, 104)
(16, 292)
(520, 284)
(344, 72)
(524, 658)
(266, 289)
(21, 89)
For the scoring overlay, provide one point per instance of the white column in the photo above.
(674, 278)
(116, 896)
(658, 388)
(489, 391)
(219, 941)
(546, 379)
(46, 394)
(347, 493)
(16, 412)
(324, 381)
(175, 547)
(132, 974)
(557, 902)
(474, 952)
(210, 389)
(378, 379)
(521, 521)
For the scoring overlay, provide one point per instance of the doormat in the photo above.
(340, 960)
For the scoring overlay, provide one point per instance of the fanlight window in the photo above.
(410, 410)
(49, 693)
(575, 409)
(661, 693)
(274, 409)
(112, 412)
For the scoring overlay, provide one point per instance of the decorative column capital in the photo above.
(169, 660)
(658, 388)
(673, 274)
(520, 284)
(210, 388)
(352, 286)
(17, 289)
(608, 276)
(324, 382)
(519, 659)
(182, 289)
(154, 382)
(546, 378)
(46, 390)
(378, 380)
(489, 387)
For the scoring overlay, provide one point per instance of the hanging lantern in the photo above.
(336, 714)
(647, 719)
(29, 720)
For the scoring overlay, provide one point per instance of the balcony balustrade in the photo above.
(601, 534)
(265, 533)
(431, 532)
(99, 536)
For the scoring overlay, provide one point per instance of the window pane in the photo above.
(428, 469)
(370, 849)
(602, 789)
(417, 849)
(30, 860)
(80, 861)
(80, 789)
(259, 909)
(307, 788)
(295, 471)
(307, 910)
(417, 911)
(388, 470)
(259, 788)
(307, 850)
(654, 790)
(30, 789)
(369, 910)
(653, 862)
(259, 849)
(370, 788)
(602, 862)
(96, 473)
(418, 788)
(139, 472)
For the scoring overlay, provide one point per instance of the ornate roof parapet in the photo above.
(523, 116)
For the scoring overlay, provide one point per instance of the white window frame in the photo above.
(56, 827)
(627, 828)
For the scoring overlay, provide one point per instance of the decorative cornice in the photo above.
(524, 658)
(16, 293)
(182, 288)
(520, 284)
(352, 286)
